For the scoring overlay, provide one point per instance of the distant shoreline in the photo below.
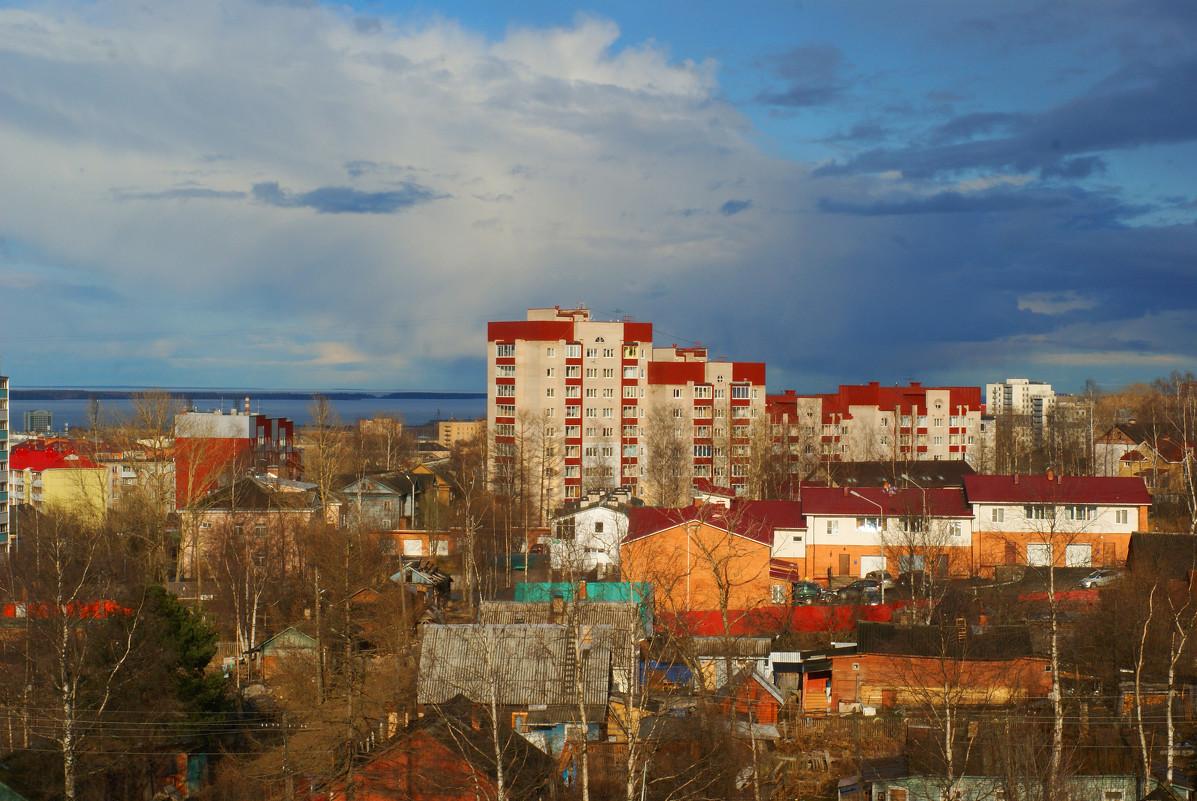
(126, 394)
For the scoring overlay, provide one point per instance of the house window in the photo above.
(550, 352)
(868, 523)
(504, 351)
(573, 471)
(598, 527)
(573, 371)
(702, 411)
(591, 411)
(629, 450)
(592, 372)
(1039, 512)
(997, 515)
(608, 353)
(955, 528)
(629, 411)
(573, 491)
(629, 391)
(608, 412)
(573, 411)
(777, 593)
(592, 353)
(573, 391)
(504, 370)
(608, 372)
(573, 351)
(573, 431)
(549, 412)
(505, 391)
(631, 351)
(702, 392)
(833, 527)
(702, 451)
(550, 392)
(897, 794)
(740, 392)
(1120, 516)
(720, 392)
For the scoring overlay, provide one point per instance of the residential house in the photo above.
(214, 448)
(852, 532)
(529, 671)
(587, 537)
(51, 474)
(751, 698)
(1066, 521)
(707, 557)
(451, 753)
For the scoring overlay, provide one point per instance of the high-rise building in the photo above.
(39, 421)
(588, 405)
(1031, 400)
(5, 540)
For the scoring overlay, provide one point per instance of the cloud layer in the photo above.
(297, 195)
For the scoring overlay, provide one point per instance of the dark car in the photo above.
(539, 547)
(881, 576)
(806, 593)
(913, 580)
(859, 590)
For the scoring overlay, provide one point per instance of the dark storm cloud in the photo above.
(945, 203)
(810, 74)
(1159, 108)
(343, 199)
(734, 207)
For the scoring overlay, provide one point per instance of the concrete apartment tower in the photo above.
(1021, 397)
(576, 406)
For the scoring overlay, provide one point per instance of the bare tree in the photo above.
(668, 456)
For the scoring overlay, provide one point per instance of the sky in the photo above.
(306, 195)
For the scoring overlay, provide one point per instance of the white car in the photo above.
(1100, 578)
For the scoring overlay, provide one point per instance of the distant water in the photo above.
(415, 411)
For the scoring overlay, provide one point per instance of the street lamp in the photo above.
(881, 539)
(926, 522)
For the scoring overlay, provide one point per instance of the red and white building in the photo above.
(871, 422)
(580, 391)
(212, 446)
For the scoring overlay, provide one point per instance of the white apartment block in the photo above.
(1021, 397)
(580, 394)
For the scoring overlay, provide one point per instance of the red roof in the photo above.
(532, 330)
(841, 502)
(1057, 489)
(772, 619)
(39, 455)
(677, 372)
(907, 400)
(752, 519)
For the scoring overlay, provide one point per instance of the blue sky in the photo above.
(306, 195)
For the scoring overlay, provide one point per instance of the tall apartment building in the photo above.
(1022, 397)
(871, 422)
(591, 399)
(5, 541)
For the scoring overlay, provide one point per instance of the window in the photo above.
(592, 353)
(505, 370)
(598, 527)
(955, 528)
(550, 392)
(885, 422)
(505, 430)
(591, 411)
(503, 410)
(1111, 795)
(702, 451)
(550, 352)
(702, 411)
(938, 422)
(609, 392)
(573, 431)
(573, 471)
(938, 441)
(702, 392)
(677, 393)
(573, 491)
(1080, 512)
(1120, 516)
(629, 411)
(573, 411)
(629, 391)
(549, 433)
(573, 351)
(629, 372)
(550, 372)
(631, 351)
(702, 432)
(608, 432)
(740, 411)
(572, 391)
(504, 351)
(629, 451)
(997, 515)
(868, 524)
(592, 372)
(884, 439)
(608, 353)
(608, 450)
(954, 420)
(720, 472)
(922, 421)
(631, 431)
(572, 451)
(1039, 512)
(608, 412)
(505, 391)
(833, 527)
(720, 392)
(591, 450)
(739, 470)
(573, 371)
(608, 372)
(740, 392)
(720, 411)
(591, 431)
(702, 471)
(591, 392)
(777, 593)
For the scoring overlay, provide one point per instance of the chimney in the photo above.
(247, 404)
(1016, 478)
(581, 590)
(1050, 475)
(845, 490)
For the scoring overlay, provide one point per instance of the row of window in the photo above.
(1048, 512)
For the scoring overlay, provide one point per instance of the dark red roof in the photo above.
(1057, 489)
(772, 619)
(677, 372)
(894, 502)
(752, 519)
(709, 488)
(532, 330)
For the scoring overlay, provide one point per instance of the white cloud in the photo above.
(1055, 302)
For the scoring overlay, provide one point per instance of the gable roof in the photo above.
(748, 519)
(525, 664)
(871, 501)
(1019, 489)
(926, 472)
(251, 494)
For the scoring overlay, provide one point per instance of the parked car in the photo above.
(857, 590)
(912, 580)
(806, 593)
(881, 577)
(539, 547)
(1100, 578)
